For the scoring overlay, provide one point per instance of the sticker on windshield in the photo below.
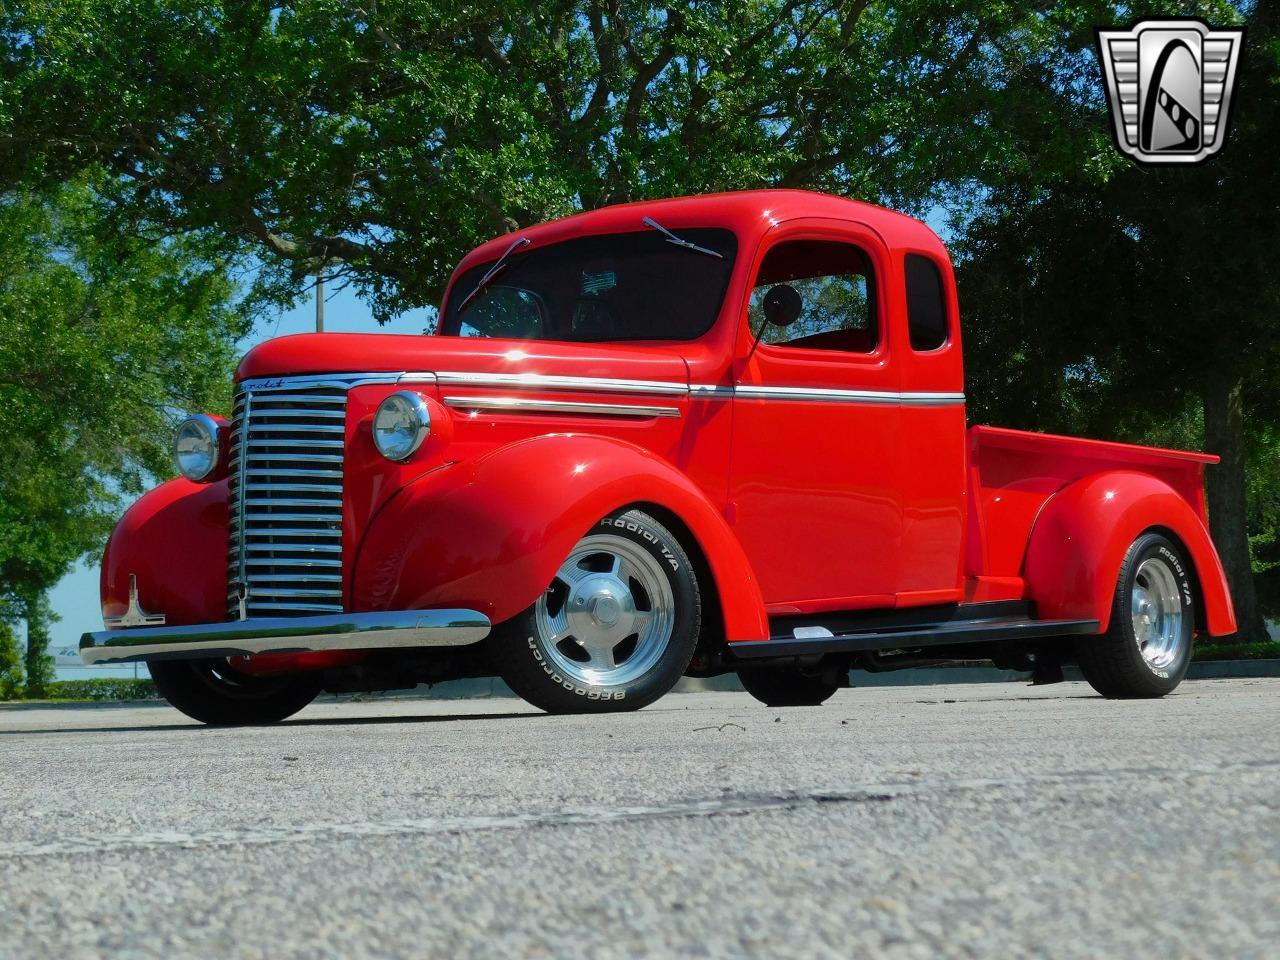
(594, 284)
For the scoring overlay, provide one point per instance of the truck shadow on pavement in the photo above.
(283, 725)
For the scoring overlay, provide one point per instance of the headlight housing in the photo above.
(197, 447)
(401, 425)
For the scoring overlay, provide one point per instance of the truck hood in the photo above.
(315, 353)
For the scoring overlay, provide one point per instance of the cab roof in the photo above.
(749, 213)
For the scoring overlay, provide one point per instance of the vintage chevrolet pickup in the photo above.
(676, 438)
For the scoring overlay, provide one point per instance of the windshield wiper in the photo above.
(681, 241)
(498, 266)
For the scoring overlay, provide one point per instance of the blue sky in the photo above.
(75, 598)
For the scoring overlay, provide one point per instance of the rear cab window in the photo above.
(926, 304)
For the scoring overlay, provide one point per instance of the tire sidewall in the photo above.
(187, 687)
(521, 655)
(1158, 546)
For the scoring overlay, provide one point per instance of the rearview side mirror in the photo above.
(782, 305)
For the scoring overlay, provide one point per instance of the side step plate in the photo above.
(924, 635)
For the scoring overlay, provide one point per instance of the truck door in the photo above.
(813, 486)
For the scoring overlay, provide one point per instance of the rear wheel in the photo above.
(786, 688)
(213, 692)
(1147, 647)
(616, 628)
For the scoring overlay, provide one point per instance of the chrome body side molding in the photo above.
(911, 398)
(524, 405)
(710, 391)
(537, 381)
(343, 631)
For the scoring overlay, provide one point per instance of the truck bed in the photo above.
(1013, 473)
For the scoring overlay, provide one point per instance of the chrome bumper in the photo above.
(343, 631)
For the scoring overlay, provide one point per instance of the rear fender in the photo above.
(490, 533)
(1084, 531)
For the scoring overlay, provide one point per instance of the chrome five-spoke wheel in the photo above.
(616, 627)
(1156, 611)
(608, 615)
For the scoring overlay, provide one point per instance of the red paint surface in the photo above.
(489, 534)
(175, 540)
(798, 506)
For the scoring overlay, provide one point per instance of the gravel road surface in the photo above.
(990, 820)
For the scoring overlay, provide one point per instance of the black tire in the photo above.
(786, 688)
(212, 692)
(543, 672)
(1115, 663)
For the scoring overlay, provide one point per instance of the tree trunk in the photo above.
(39, 665)
(1228, 506)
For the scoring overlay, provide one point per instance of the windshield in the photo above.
(623, 286)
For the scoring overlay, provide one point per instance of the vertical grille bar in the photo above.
(287, 454)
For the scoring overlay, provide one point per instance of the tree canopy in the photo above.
(105, 339)
(392, 136)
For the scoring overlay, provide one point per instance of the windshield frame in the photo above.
(727, 239)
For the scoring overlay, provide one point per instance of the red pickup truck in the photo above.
(676, 438)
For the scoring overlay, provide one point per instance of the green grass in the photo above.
(102, 689)
(1269, 650)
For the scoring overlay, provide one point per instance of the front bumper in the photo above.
(345, 631)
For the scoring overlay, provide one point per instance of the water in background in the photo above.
(67, 664)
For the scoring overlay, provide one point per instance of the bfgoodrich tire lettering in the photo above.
(1147, 647)
(615, 630)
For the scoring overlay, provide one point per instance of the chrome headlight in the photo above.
(401, 424)
(195, 447)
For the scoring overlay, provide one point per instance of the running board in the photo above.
(815, 639)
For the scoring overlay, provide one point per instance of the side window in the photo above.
(836, 291)
(926, 303)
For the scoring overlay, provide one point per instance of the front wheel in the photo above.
(214, 692)
(616, 628)
(1147, 647)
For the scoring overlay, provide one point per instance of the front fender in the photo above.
(489, 534)
(174, 539)
(1083, 532)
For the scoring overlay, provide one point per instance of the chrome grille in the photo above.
(287, 446)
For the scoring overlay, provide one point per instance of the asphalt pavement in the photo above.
(993, 820)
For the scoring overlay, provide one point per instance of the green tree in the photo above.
(106, 339)
(391, 137)
(1142, 302)
(11, 686)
